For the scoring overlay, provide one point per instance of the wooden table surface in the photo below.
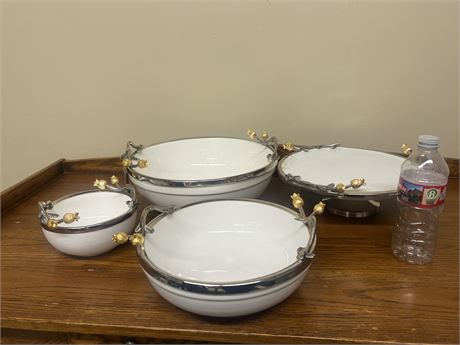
(355, 291)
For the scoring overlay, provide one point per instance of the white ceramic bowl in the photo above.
(197, 169)
(101, 214)
(315, 169)
(227, 257)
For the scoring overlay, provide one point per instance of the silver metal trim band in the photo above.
(269, 176)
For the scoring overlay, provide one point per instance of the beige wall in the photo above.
(82, 78)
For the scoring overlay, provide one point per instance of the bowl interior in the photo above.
(225, 241)
(340, 165)
(93, 207)
(203, 158)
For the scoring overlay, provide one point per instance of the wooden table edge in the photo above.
(179, 334)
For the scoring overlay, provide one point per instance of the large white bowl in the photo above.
(227, 257)
(101, 215)
(197, 169)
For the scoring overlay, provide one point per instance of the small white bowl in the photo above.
(82, 224)
(185, 171)
(226, 258)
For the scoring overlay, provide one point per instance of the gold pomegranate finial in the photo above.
(142, 163)
(137, 239)
(126, 162)
(70, 217)
(357, 182)
(288, 146)
(251, 134)
(406, 149)
(120, 238)
(114, 180)
(297, 200)
(52, 223)
(101, 184)
(264, 135)
(340, 187)
(319, 208)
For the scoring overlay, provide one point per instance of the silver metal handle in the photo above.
(307, 252)
(143, 227)
(132, 149)
(128, 159)
(52, 220)
(139, 234)
(289, 146)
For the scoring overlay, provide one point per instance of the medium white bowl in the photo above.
(226, 257)
(353, 180)
(101, 214)
(315, 169)
(189, 170)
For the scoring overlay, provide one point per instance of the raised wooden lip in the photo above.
(32, 184)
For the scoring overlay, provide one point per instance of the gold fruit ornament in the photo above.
(406, 149)
(114, 180)
(251, 134)
(264, 135)
(52, 223)
(101, 184)
(70, 217)
(319, 208)
(340, 187)
(297, 200)
(357, 182)
(288, 146)
(120, 238)
(126, 162)
(142, 163)
(136, 239)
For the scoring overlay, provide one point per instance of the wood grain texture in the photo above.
(94, 165)
(30, 185)
(355, 291)
(453, 167)
(21, 336)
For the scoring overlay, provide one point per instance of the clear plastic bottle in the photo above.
(421, 193)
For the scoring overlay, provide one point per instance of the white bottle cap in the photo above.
(428, 141)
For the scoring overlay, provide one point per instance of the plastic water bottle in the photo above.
(421, 194)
